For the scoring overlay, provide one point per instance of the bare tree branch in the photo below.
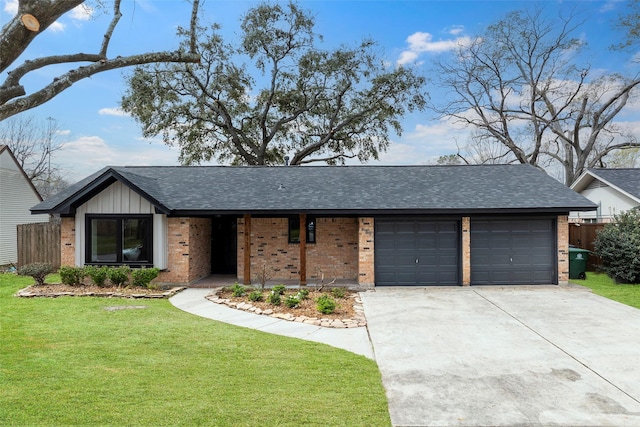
(15, 38)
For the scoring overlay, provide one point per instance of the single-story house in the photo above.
(613, 190)
(372, 225)
(17, 196)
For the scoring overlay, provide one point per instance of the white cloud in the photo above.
(88, 154)
(609, 5)
(11, 6)
(56, 27)
(456, 30)
(113, 111)
(421, 42)
(81, 13)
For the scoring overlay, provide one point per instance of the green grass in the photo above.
(603, 285)
(69, 361)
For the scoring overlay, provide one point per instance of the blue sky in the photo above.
(95, 133)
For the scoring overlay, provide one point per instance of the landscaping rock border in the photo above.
(358, 320)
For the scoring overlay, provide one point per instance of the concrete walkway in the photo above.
(355, 340)
(543, 356)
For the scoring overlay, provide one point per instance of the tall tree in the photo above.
(33, 144)
(35, 16)
(518, 84)
(274, 94)
(629, 23)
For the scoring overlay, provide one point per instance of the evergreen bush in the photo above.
(618, 245)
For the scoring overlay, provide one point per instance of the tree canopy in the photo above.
(35, 16)
(274, 94)
(518, 84)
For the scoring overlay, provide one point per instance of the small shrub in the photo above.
(292, 301)
(255, 296)
(618, 244)
(37, 270)
(279, 289)
(71, 276)
(98, 275)
(338, 292)
(325, 304)
(303, 294)
(274, 298)
(119, 275)
(238, 290)
(142, 277)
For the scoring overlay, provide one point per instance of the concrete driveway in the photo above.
(485, 356)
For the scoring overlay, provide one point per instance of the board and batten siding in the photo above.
(120, 199)
(16, 198)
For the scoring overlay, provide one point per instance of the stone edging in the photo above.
(25, 293)
(358, 320)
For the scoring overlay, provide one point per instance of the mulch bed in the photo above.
(49, 290)
(348, 313)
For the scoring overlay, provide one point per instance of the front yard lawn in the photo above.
(603, 285)
(107, 361)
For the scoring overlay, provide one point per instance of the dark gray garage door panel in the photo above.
(518, 252)
(416, 252)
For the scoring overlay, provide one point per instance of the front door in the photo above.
(224, 246)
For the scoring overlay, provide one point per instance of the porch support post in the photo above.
(247, 249)
(303, 249)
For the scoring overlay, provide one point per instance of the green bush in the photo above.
(292, 301)
(142, 277)
(37, 270)
(618, 245)
(303, 294)
(325, 304)
(238, 290)
(274, 298)
(255, 296)
(72, 276)
(98, 275)
(338, 292)
(119, 275)
(279, 289)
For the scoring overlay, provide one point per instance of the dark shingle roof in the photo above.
(627, 180)
(203, 190)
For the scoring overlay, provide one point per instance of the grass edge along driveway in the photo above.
(603, 285)
(70, 361)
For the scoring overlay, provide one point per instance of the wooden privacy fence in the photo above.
(582, 236)
(39, 242)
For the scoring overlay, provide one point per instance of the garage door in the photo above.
(415, 252)
(513, 252)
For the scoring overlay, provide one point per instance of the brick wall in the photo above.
(563, 249)
(189, 246)
(335, 252)
(68, 241)
(366, 267)
(199, 248)
(466, 251)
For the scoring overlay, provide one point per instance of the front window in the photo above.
(294, 229)
(116, 239)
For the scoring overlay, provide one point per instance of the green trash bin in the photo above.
(578, 263)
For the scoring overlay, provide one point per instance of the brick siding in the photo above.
(189, 246)
(366, 267)
(335, 252)
(466, 251)
(563, 249)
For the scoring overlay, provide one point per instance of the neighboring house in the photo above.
(372, 225)
(613, 190)
(17, 196)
